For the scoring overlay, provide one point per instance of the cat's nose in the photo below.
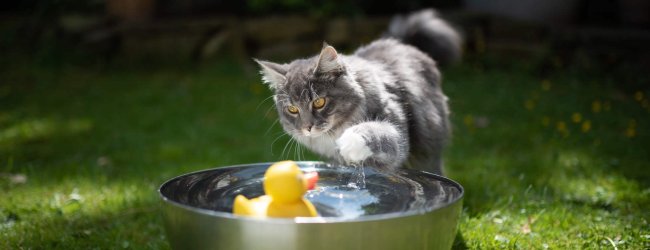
(307, 129)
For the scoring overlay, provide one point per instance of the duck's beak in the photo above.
(310, 180)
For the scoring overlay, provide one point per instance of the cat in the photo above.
(382, 106)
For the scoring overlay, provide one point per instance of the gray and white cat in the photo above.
(382, 106)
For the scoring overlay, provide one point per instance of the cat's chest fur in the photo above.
(324, 144)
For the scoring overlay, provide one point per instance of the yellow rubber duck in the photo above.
(284, 185)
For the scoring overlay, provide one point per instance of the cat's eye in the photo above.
(319, 103)
(292, 109)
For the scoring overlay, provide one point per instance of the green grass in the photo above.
(93, 144)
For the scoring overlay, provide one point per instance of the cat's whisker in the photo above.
(292, 147)
(277, 138)
(285, 149)
(299, 151)
(269, 110)
(295, 150)
(272, 125)
(299, 148)
(262, 102)
(289, 149)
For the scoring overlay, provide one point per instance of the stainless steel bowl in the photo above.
(408, 210)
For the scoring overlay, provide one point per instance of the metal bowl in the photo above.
(407, 210)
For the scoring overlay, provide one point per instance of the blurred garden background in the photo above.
(103, 100)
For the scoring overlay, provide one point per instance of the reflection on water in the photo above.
(335, 198)
(341, 201)
(406, 190)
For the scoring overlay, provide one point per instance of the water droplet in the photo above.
(358, 179)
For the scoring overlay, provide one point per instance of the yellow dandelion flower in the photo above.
(468, 120)
(546, 121)
(630, 132)
(638, 96)
(576, 117)
(596, 106)
(560, 126)
(586, 126)
(546, 85)
(529, 104)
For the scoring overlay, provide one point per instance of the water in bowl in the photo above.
(334, 195)
(351, 192)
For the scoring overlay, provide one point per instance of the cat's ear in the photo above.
(328, 61)
(272, 73)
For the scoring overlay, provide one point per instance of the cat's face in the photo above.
(313, 96)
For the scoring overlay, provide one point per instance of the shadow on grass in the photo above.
(459, 242)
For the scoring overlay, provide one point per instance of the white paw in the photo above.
(352, 147)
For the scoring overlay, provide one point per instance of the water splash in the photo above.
(358, 178)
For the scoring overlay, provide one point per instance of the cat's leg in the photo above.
(376, 143)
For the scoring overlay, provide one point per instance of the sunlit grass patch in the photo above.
(553, 225)
(41, 129)
(80, 213)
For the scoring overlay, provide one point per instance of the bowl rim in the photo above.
(306, 220)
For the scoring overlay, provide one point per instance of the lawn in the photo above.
(559, 161)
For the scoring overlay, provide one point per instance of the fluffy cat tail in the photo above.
(427, 31)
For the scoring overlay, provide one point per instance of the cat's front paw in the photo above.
(352, 147)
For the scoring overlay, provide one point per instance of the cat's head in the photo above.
(313, 96)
